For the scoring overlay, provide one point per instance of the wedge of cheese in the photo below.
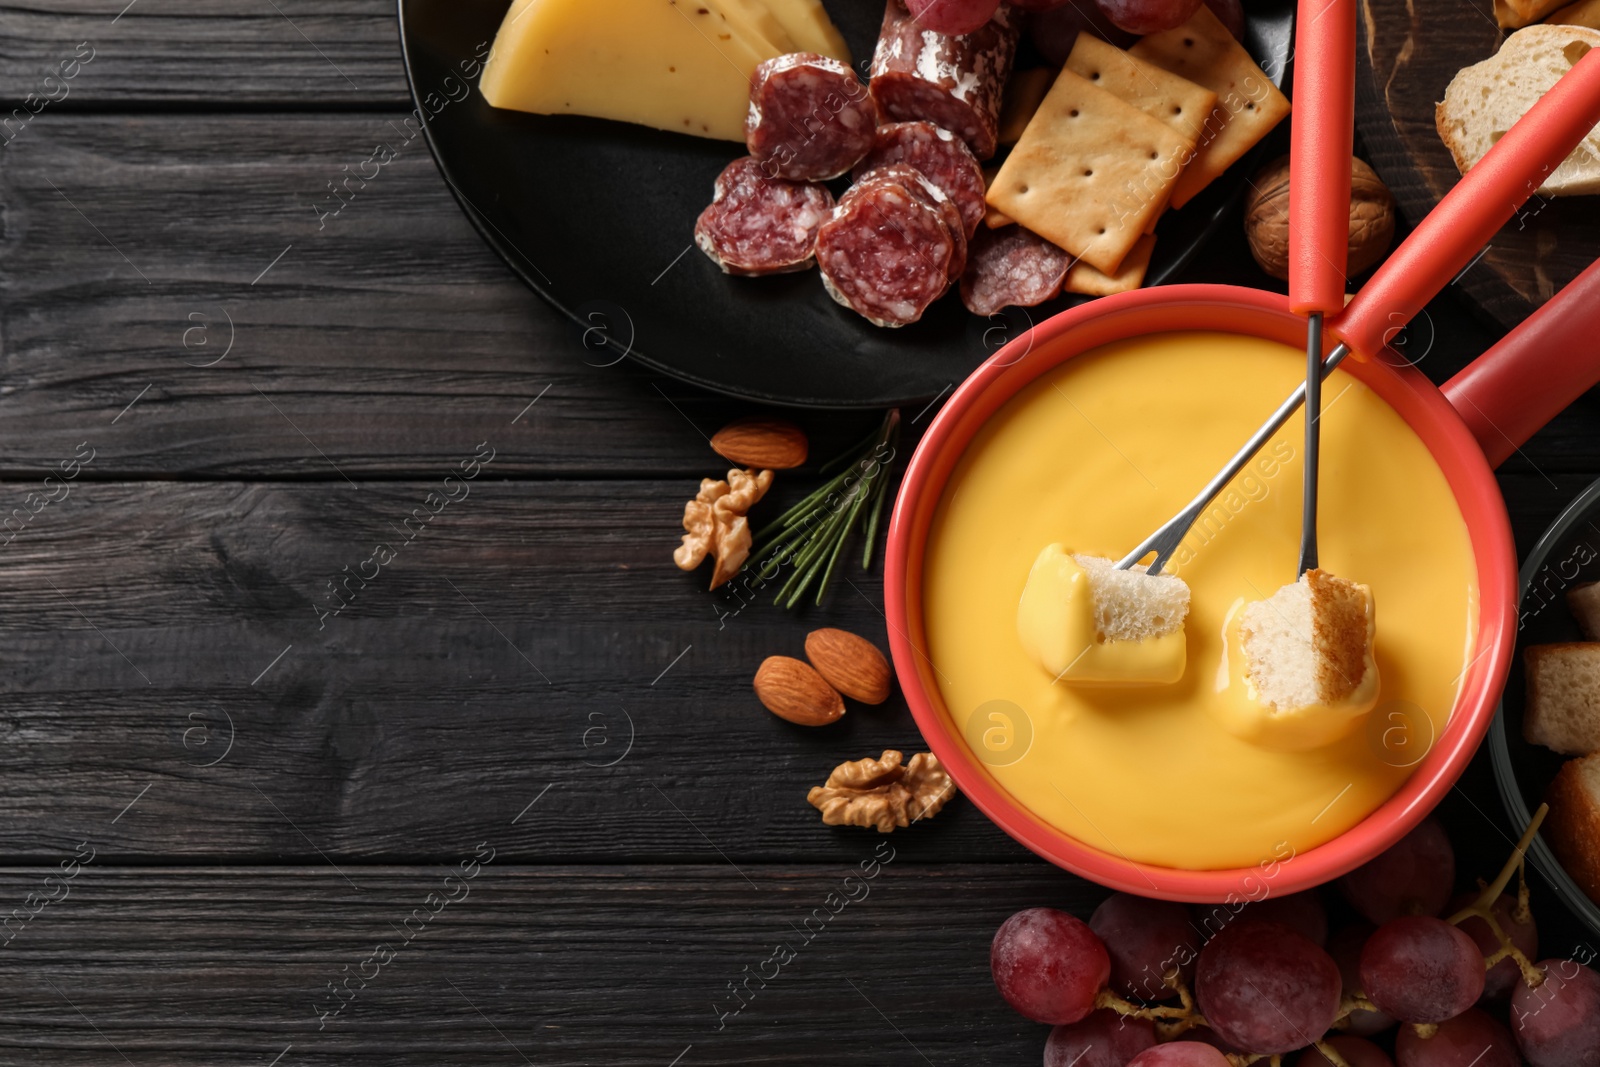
(756, 22)
(810, 28)
(682, 66)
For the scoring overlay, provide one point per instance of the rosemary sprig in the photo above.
(811, 536)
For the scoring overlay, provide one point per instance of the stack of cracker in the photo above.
(1123, 135)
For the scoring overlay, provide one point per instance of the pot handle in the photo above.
(1470, 214)
(1536, 370)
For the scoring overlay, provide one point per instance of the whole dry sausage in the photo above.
(952, 82)
(1012, 267)
(761, 225)
(810, 117)
(886, 253)
(943, 159)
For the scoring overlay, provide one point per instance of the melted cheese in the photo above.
(1100, 451)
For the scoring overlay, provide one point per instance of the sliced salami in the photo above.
(1013, 267)
(760, 225)
(886, 253)
(953, 82)
(941, 156)
(920, 186)
(810, 117)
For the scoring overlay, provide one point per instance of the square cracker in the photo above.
(1161, 94)
(1089, 172)
(1082, 278)
(1248, 104)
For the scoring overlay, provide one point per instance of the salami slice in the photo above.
(953, 82)
(886, 253)
(941, 156)
(1012, 267)
(923, 189)
(810, 117)
(761, 225)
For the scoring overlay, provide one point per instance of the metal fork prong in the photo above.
(1165, 541)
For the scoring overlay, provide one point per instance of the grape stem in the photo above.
(1170, 1022)
(1483, 905)
(1331, 1054)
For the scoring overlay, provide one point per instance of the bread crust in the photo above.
(1573, 825)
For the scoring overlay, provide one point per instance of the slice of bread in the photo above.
(1485, 99)
(1584, 603)
(1563, 706)
(1573, 825)
(1310, 642)
(1132, 605)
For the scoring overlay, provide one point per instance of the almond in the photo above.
(852, 665)
(791, 690)
(770, 444)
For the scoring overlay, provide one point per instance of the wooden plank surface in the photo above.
(179, 259)
(620, 966)
(505, 650)
(168, 642)
(135, 250)
(304, 54)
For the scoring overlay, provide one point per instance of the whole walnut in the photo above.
(1266, 218)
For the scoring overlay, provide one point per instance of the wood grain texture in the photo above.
(501, 653)
(1410, 50)
(168, 646)
(295, 54)
(372, 338)
(626, 966)
(135, 249)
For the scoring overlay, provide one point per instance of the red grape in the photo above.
(1266, 989)
(1355, 1051)
(1525, 936)
(1100, 1039)
(1230, 13)
(1180, 1054)
(1146, 939)
(1148, 16)
(1207, 1036)
(1471, 1039)
(1421, 969)
(1048, 965)
(1558, 1024)
(1054, 32)
(1038, 5)
(1345, 948)
(1415, 877)
(1301, 912)
(953, 17)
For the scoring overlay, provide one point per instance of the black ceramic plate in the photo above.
(1568, 553)
(598, 217)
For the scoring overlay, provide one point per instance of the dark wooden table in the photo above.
(269, 795)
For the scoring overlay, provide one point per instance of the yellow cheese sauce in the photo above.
(1095, 455)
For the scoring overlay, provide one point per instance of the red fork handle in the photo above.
(1467, 218)
(1320, 148)
(1537, 369)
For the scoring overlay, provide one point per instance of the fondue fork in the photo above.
(1322, 143)
(1441, 245)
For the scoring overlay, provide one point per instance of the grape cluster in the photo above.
(1416, 978)
(1058, 21)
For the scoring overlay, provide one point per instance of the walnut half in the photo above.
(716, 525)
(883, 793)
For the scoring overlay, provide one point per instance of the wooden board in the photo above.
(626, 966)
(1410, 49)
